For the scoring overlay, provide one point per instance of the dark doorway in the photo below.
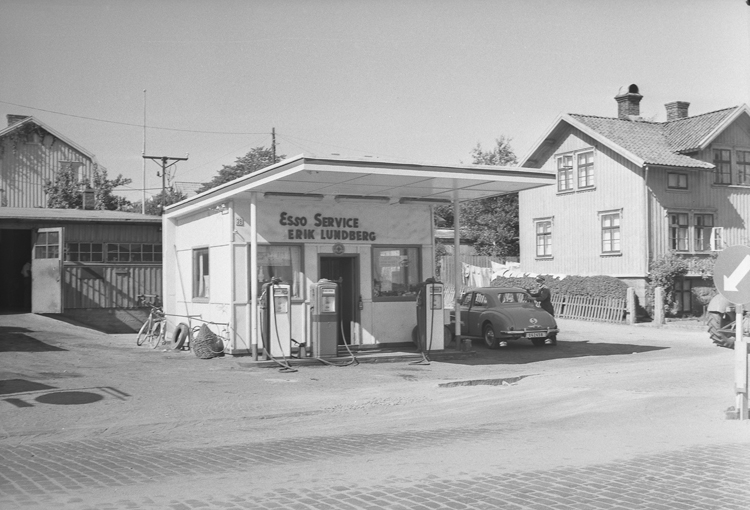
(15, 288)
(345, 271)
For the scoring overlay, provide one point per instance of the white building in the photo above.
(365, 221)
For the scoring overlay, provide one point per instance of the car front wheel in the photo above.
(489, 337)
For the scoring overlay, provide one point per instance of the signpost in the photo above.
(732, 279)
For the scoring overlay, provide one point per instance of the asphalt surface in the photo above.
(614, 416)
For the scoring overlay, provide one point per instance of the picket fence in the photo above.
(589, 308)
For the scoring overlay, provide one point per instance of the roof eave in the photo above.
(710, 137)
(54, 132)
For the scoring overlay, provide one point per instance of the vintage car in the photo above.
(500, 314)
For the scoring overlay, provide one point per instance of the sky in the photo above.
(415, 80)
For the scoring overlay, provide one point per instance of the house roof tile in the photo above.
(659, 143)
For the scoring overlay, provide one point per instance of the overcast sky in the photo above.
(410, 79)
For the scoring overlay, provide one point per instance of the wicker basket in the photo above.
(206, 344)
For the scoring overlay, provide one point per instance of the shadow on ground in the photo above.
(522, 353)
(14, 339)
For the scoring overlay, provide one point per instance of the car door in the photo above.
(478, 306)
(465, 307)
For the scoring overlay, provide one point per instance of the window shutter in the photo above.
(717, 238)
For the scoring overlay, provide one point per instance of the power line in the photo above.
(133, 125)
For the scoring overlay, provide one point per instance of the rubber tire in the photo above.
(143, 332)
(155, 336)
(179, 335)
(553, 340)
(415, 336)
(720, 338)
(488, 335)
(538, 342)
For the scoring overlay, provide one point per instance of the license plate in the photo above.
(536, 335)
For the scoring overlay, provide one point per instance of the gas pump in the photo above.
(325, 318)
(430, 327)
(276, 321)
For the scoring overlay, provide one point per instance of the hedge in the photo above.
(600, 286)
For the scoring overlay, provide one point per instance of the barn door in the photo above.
(46, 271)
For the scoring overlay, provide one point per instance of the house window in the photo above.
(723, 163)
(677, 180)
(703, 225)
(132, 252)
(610, 233)
(200, 273)
(396, 272)
(565, 173)
(544, 238)
(47, 245)
(283, 262)
(743, 167)
(586, 170)
(678, 231)
(84, 252)
(683, 295)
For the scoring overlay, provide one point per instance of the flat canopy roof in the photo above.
(366, 178)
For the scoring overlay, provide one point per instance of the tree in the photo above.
(167, 197)
(66, 191)
(490, 224)
(257, 158)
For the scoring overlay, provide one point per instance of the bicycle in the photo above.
(154, 329)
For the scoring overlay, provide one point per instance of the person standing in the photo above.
(543, 296)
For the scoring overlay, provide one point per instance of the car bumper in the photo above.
(533, 333)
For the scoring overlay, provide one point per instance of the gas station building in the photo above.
(363, 223)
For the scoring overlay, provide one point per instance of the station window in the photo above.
(47, 245)
(396, 272)
(200, 273)
(84, 252)
(132, 252)
(283, 262)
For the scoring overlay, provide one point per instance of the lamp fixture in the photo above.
(293, 196)
(362, 198)
(222, 208)
(418, 200)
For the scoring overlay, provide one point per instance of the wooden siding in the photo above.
(24, 168)
(109, 285)
(111, 233)
(576, 230)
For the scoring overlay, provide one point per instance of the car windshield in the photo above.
(513, 297)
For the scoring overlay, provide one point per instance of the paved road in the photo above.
(613, 417)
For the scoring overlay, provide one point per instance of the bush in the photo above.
(599, 286)
(664, 272)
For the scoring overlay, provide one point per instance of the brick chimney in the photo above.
(628, 102)
(15, 119)
(677, 110)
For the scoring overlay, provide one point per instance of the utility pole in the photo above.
(273, 143)
(164, 166)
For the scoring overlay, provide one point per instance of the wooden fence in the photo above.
(589, 308)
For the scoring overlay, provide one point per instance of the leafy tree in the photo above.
(491, 224)
(167, 197)
(257, 158)
(65, 192)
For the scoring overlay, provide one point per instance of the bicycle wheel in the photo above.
(156, 334)
(143, 332)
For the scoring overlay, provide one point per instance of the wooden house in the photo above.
(88, 265)
(630, 190)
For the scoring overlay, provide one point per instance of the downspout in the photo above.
(232, 313)
(647, 217)
(457, 280)
(253, 319)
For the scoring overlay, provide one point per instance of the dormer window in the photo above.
(565, 173)
(677, 180)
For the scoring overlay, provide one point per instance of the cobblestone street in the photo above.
(615, 417)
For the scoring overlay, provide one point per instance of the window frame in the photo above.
(301, 270)
(719, 165)
(686, 187)
(547, 236)
(569, 178)
(375, 272)
(743, 167)
(567, 171)
(195, 292)
(589, 181)
(610, 229)
(705, 232)
(691, 231)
